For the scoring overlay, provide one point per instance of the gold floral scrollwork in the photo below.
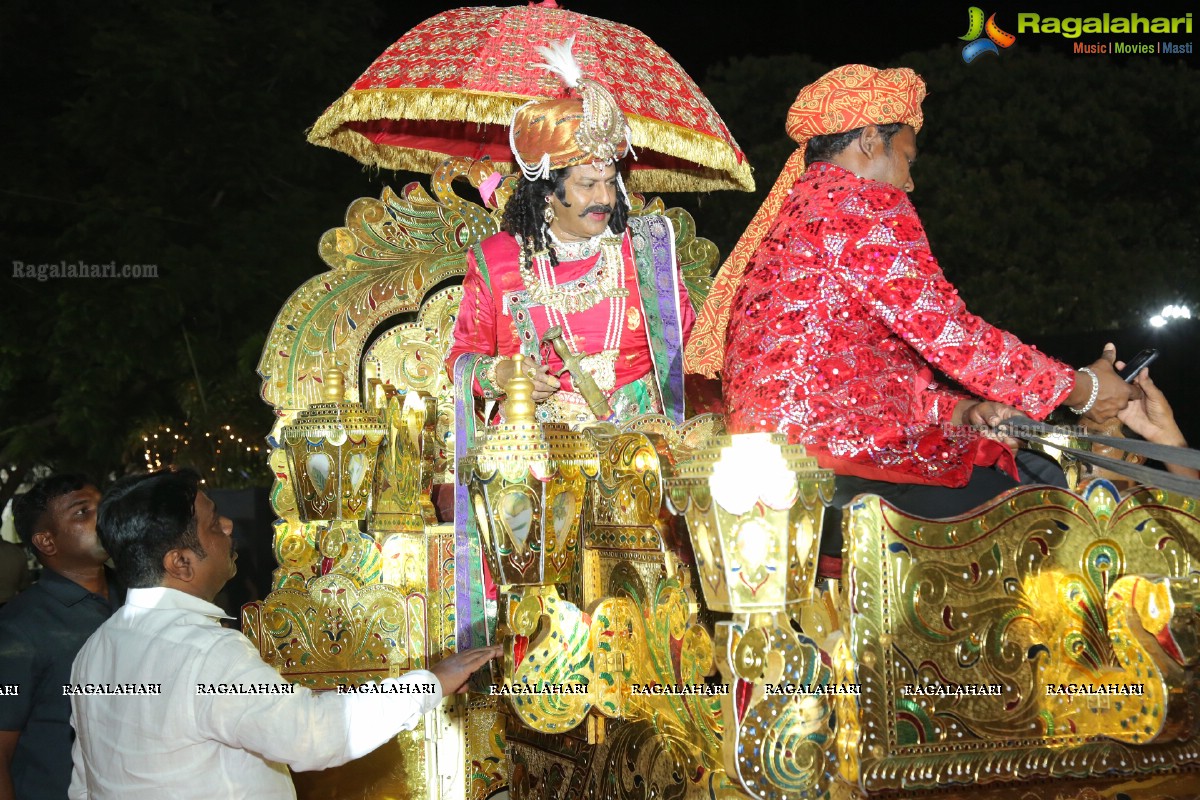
(487, 765)
(390, 253)
(627, 494)
(778, 712)
(614, 647)
(848, 737)
(346, 550)
(652, 664)
(680, 440)
(411, 356)
(296, 553)
(283, 497)
(335, 633)
(307, 550)
(1025, 633)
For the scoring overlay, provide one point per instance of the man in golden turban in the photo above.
(831, 321)
(570, 257)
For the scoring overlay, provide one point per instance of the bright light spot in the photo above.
(750, 469)
(1169, 313)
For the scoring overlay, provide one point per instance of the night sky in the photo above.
(699, 34)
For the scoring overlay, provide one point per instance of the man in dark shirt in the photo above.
(41, 631)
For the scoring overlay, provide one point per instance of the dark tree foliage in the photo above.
(172, 135)
(1059, 192)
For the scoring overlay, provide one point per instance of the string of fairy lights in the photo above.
(221, 456)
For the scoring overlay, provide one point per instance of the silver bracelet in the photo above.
(1095, 392)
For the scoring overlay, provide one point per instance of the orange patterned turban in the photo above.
(842, 100)
(561, 133)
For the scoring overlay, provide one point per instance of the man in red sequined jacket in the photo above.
(840, 319)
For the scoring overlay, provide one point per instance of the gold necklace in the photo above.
(601, 282)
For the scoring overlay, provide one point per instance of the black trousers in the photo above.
(937, 501)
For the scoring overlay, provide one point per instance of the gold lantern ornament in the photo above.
(753, 506)
(527, 482)
(332, 450)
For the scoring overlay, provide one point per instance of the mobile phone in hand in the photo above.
(1137, 364)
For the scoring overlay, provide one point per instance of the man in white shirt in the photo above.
(167, 703)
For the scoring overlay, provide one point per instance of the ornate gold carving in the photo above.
(283, 498)
(404, 479)
(528, 483)
(779, 741)
(627, 494)
(336, 633)
(754, 507)
(487, 766)
(547, 667)
(389, 254)
(332, 449)
(1029, 597)
(411, 356)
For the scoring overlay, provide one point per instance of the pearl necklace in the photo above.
(616, 308)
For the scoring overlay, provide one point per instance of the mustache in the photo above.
(596, 210)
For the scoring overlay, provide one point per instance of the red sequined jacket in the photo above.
(833, 331)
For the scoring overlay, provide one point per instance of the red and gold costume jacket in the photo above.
(652, 323)
(834, 330)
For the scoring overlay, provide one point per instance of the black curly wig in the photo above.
(523, 216)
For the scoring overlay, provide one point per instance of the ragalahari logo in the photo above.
(975, 46)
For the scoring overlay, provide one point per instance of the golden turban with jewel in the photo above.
(558, 133)
(842, 100)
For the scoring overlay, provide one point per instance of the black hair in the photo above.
(28, 508)
(824, 148)
(144, 517)
(523, 216)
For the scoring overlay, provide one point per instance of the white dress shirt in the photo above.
(189, 743)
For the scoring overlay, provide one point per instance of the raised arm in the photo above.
(906, 288)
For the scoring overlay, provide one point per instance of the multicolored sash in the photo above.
(472, 620)
(658, 280)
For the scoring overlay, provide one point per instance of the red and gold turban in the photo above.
(559, 133)
(842, 100)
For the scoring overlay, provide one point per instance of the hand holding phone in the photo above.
(1137, 364)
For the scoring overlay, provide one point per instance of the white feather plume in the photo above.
(561, 61)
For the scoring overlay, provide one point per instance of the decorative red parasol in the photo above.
(449, 87)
